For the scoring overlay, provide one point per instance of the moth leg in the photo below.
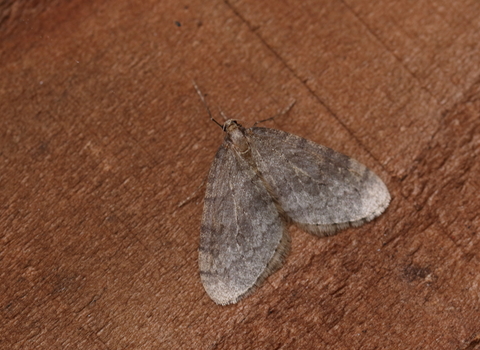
(279, 114)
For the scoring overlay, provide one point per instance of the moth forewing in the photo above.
(260, 180)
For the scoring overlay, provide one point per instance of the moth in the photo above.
(262, 180)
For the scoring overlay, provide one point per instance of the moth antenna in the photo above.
(281, 113)
(222, 114)
(202, 97)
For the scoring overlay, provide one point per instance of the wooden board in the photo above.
(102, 136)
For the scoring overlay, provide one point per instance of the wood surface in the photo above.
(102, 136)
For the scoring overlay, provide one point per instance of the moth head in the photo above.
(230, 125)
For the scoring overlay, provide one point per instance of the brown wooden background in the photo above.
(102, 136)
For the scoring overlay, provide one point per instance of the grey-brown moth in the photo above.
(260, 181)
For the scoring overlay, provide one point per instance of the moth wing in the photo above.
(243, 237)
(319, 189)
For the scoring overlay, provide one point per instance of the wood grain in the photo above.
(102, 136)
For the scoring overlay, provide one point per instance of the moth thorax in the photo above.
(236, 135)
